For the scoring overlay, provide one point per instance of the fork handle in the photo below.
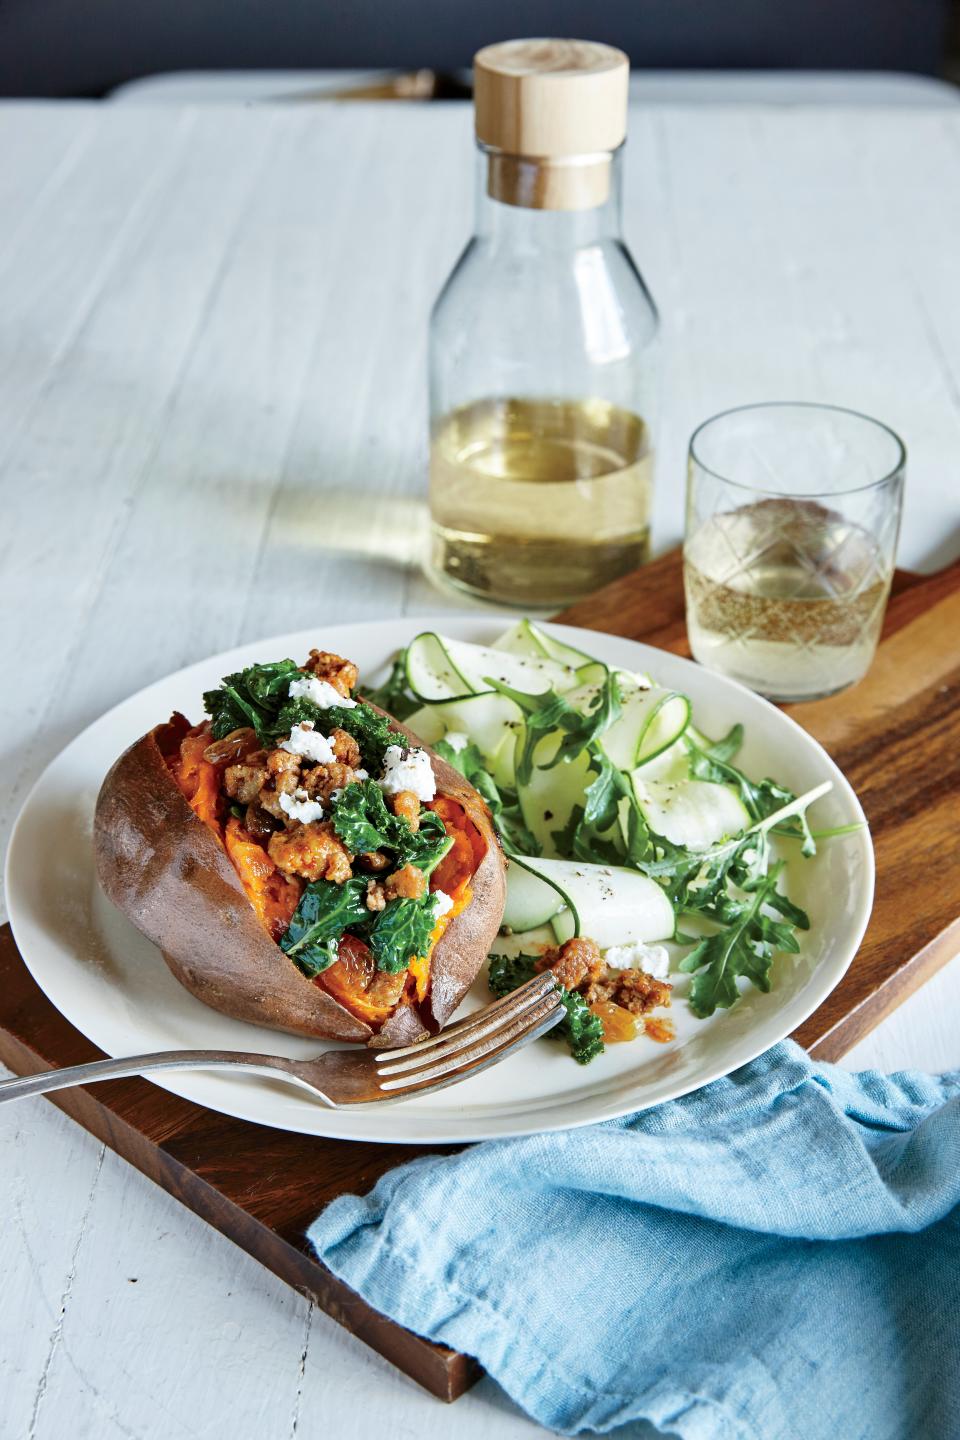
(22, 1086)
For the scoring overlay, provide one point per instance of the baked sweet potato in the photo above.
(216, 880)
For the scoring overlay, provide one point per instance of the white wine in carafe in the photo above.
(539, 501)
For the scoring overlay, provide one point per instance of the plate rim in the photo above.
(602, 1109)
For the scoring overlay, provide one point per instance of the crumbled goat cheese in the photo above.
(443, 902)
(360, 775)
(653, 959)
(321, 692)
(300, 807)
(309, 743)
(407, 770)
(457, 739)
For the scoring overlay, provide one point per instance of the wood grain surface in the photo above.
(260, 1187)
(896, 735)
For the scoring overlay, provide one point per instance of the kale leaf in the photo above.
(370, 730)
(253, 696)
(401, 932)
(363, 823)
(396, 934)
(427, 847)
(756, 926)
(582, 1030)
(394, 694)
(502, 803)
(361, 818)
(324, 913)
(259, 696)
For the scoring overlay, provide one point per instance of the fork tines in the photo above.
(476, 1041)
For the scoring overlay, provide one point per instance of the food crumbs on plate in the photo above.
(660, 1030)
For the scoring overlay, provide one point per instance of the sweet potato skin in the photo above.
(165, 870)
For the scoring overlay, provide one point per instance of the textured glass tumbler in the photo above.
(793, 514)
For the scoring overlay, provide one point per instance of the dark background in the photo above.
(86, 47)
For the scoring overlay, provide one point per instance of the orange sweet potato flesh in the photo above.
(273, 897)
(169, 872)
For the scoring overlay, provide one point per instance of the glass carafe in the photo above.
(543, 383)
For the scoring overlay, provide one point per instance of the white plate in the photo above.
(114, 986)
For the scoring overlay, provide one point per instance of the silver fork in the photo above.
(350, 1077)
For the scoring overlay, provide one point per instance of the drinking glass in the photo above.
(793, 514)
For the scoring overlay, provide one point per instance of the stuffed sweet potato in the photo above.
(301, 861)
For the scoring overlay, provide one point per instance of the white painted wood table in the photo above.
(212, 428)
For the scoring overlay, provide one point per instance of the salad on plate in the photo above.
(642, 858)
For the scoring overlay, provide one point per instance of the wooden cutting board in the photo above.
(896, 735)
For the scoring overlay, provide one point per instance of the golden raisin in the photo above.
(618, 1024)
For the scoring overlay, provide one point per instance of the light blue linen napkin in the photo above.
(775, 1256)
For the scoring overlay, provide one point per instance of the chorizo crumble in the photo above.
(579, 966)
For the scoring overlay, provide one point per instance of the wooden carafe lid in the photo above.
(550, 112)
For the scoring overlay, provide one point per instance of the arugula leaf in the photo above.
(543, 714)
(502, 803)
(582, 1030)
(582, 838)
(585, 727)
(550, 711)
(512, 829)
(589, 833)
(699, 880)
(727, 747)
(250, 697)
(579, 840)
(746, 946)
(696, 879)
(798, 827)
(470, 763)
(394, 695)
(363, 823)
(760, 799)
(639, 837)
(324, 913)
(604, 793)
(401, 932)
